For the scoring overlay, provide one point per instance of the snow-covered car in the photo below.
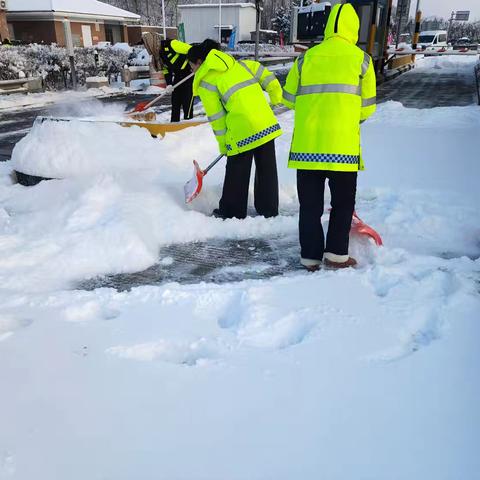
(122, 46)
(102, 45)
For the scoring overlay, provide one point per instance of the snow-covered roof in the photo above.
(216, 5)
(79, 7)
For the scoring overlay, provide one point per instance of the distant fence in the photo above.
(477, 80)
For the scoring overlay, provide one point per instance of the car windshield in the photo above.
(426, 38)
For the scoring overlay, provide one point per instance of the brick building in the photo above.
(41, 21)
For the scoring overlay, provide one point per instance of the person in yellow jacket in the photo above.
(332, 88)
(243, 123)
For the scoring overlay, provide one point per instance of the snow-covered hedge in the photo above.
(263, 48)
(52, 63)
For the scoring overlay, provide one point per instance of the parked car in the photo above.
(465, 43)
(102, 45)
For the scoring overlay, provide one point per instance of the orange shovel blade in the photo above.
(194, 186)
(361, 228)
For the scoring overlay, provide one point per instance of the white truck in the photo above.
(432, 40)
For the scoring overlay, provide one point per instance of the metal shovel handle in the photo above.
(213, 163)
(156, 99)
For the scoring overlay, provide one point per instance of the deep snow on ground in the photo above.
(458, 64)
(367, 374)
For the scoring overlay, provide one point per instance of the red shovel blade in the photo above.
(140, 107)
(363, 229)
(194, 186)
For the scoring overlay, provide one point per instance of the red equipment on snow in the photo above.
(361, 228)
(194, 186)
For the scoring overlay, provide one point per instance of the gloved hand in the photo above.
(169, 89)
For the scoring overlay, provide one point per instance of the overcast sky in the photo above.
(443, 8)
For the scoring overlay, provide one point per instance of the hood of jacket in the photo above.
(343, 22)
(217, 61)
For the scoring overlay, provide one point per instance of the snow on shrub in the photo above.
(263, 48)
(52, 63)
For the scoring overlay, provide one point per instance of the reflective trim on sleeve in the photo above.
(219, 133)
(217, 116)
(208, 86)
(330, 88)
(226, 96)
(246, 67)
(301, 58)
(365, 64)
(288, 96)
(368, 102)
(259, 73)
(184, 65)
(268, 80)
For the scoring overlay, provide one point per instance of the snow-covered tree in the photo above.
(282, 21)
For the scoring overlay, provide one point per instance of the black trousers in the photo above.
(310, 187)
(234, 199)
(182, 99)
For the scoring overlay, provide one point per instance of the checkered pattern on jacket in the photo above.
(323, 157)
(258, 136)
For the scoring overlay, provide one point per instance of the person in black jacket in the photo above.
(173, 55)
(169, 56)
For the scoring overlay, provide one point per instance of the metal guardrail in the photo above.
(409, 51)
(477, 80)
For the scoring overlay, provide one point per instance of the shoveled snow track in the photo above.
(216, 260)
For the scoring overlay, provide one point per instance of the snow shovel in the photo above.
(194, 186)
(361, 228)
(142, 106)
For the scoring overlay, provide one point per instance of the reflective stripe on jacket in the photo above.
(237, 109)
(332, 88)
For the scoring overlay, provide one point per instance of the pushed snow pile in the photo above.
(70, 149)
(454, 64)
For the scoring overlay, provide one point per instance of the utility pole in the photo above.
(220, 22)
(258, 9)
(418, 19)
(164, 21)
(452, 16)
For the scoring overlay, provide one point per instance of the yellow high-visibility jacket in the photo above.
(332, 88)
(237, 109)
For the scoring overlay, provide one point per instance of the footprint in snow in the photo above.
(190, 353)
(9, 324)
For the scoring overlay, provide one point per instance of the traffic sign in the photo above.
(462, 15)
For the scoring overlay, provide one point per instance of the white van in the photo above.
(432, 39)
